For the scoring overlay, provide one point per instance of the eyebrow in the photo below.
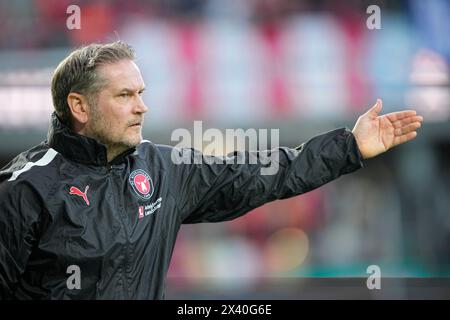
(131, 90)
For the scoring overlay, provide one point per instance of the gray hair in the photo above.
(77, 73)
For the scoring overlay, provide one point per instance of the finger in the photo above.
(405, 138)
(399, 115)
(408, 128)
(376, 109)
(406, 121)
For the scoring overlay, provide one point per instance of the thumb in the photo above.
(375, 110)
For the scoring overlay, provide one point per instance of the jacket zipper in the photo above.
(127, 244)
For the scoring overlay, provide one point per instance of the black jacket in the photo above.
(63, 206)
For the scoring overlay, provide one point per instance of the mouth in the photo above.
(136, 124)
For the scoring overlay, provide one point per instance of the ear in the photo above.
(78, 107)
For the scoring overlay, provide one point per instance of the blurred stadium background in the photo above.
(303, 67)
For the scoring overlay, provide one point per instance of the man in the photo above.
(93, 212)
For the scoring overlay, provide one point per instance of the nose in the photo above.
(140, 106)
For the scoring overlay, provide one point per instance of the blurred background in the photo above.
(300, 66)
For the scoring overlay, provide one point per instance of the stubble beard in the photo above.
(99, 130)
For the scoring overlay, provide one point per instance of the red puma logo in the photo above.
(76, 191)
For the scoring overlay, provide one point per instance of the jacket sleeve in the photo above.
(212, 191)
(20, 209)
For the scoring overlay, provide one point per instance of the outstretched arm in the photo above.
(225, 191)
(376, 134)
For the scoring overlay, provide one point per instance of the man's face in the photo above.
(117, 117)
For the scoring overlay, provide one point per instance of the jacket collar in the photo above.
(77, 147)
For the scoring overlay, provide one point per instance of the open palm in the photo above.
(376, 134)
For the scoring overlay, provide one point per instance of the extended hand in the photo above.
(376, 134)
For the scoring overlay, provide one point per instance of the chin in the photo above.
(133, 142)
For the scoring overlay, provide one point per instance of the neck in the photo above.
(113, 151)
